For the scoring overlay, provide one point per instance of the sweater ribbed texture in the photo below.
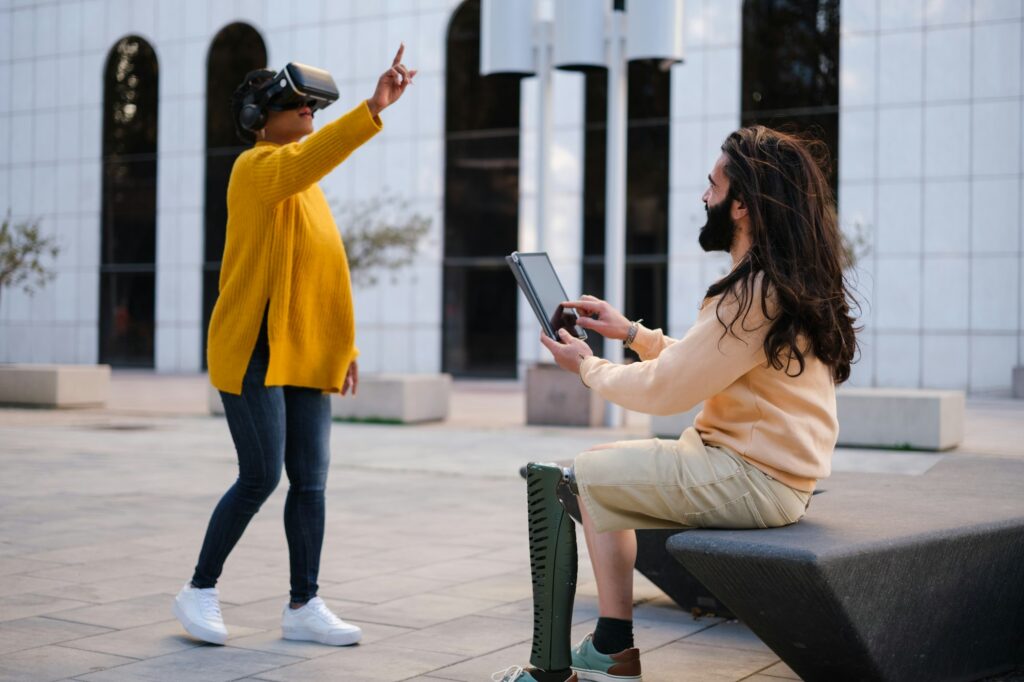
(784, 425)
(283, 250)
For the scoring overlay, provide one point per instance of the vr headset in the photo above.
(294, 86)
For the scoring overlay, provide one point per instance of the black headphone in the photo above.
(252, 116)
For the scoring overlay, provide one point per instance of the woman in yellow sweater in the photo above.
(281, 338)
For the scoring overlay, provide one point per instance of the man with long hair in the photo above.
(773, 338)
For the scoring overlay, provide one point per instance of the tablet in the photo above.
(538, 281)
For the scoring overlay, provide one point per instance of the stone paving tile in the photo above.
(782, 670)
(419, 611)
(112, 590)
(381, 588)
(148, 641)
(199, 664)
(506, 587)
(271, 641)
(467, 636)
(18, 606)
(21, 583)
(54, 662)
(129, 613)
(97, 571)
(730, 634)
(14, 564)
(380, 662)
(462, 570)
(685, 662)
(28, 633)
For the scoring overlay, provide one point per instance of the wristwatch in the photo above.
(634, 327)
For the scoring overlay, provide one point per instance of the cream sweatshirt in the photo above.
(785, 426)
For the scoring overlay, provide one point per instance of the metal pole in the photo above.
(615, 193)
(545, 33)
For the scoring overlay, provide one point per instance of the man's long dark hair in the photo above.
(796, 244)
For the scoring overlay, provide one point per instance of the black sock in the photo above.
(613, 635)
(551, 675)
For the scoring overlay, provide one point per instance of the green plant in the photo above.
(22, 250)
(856, 243)
(380, 234)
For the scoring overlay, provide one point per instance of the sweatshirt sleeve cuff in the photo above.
(587, 366)
(646, 341)
(374, 120)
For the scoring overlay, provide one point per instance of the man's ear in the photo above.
(738, 210)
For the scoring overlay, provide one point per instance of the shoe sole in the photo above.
(343, 639)
(598, 676)
(196, 630)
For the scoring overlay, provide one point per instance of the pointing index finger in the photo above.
(398, 55)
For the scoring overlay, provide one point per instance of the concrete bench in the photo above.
(555, 397)
(385, 398)
(54, 385)
(876, 417)
(396, 398)
(887, 578)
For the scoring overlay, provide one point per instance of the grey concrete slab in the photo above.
(54, 662)
(27, 633)
(380, 662)
(432, 516)
(198, 664)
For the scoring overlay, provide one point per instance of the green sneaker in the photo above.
(593, 666)
(517, 673)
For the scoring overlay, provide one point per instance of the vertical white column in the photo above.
(615, 199)
(544, 76)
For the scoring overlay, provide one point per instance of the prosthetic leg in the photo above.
(553, 561)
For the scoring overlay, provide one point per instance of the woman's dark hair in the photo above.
(797, 246)
(252, 81)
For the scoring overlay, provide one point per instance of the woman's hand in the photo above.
(569, 354)
(391, 84)
(351, 379)
(597, 315)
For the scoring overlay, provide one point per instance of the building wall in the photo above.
(930, 168)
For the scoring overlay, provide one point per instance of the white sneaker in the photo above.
(198, 610)
(314, 622)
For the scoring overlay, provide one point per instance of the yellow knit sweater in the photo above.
(283, 247)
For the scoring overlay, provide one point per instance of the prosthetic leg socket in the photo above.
(553, 562)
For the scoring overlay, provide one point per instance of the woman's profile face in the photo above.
(290, 125)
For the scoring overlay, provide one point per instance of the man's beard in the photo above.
(719, 230)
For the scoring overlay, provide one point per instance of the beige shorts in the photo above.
(681, 484)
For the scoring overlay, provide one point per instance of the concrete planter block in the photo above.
(214, 401)
(900, 418)
(55, 385)
(1018, 381)
(555, 397)
(402, 398)
(671, 426)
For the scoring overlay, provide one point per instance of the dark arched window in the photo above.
(128, 218)
(791, 68)
(481, 207)
(235, 50)
(647, 186)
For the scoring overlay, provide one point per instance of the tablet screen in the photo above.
(549, 291)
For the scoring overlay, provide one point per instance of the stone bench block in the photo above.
(396, 398)
(555, 397)
(900, 418)
(875, 417)
(55, 385)
(671, 426)
(399, 398)
(887, 578)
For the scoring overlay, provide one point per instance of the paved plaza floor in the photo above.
(102, 513)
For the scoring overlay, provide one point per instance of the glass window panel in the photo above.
(481, 207)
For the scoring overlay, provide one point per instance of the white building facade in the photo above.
(930, 127)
